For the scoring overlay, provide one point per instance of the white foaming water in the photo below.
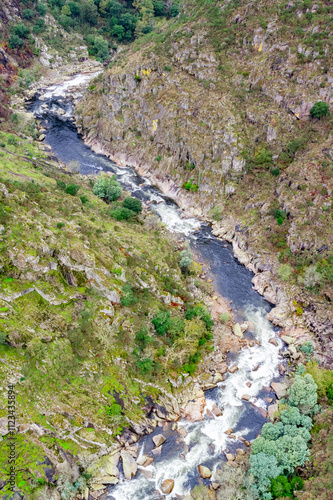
(170, 216)
(201, 435)
(61, 89)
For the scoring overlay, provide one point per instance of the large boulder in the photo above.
(204, 472)
(238, 331)
(167, 486)
(280, 389)
(129, 464)
(158, 440)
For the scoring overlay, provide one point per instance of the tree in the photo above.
(133, 204)
(101, 48)
(107, 188)
(15, 41)
(118, 31)
(161, 322)
(21, 30)
(185, 260)
(159, 7)
(89, 12)
(263, 468)
(303, 394)
(66, 11)
(145, 365)
(320, 109)
(146, 11)
(28, 14)
(41, 9)
(72, 189)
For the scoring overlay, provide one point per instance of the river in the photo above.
(206, 440)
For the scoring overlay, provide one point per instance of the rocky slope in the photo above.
(215, 108)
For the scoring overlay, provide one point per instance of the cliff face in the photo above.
(215, 107)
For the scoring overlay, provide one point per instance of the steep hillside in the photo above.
(215, 107)
(97, 323)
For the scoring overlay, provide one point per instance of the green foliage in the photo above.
(84, 199)
(145, 365)
(41, 9)
(122, 213)
(168, 68)
(113, 410)
(216, 213)
(27, 14)
(99, 47)
(15, 41)
(282, 487)
(108, 189)
(200, 312)
(128, 297)
(307, 348)
(224, 317)
(142, 338)
(322, 377)
(61, 185)
(285, 272)
(137, 78)
(190, 186)
(320, 109)
(159, 158)
(303, 393)
(21, 30)
(185, 260)
(72, 189)
(161, 322)
(60, 225)
(263, 468)
(133, 204)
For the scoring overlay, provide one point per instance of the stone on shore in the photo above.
(273, 341)
(230, 457)
(233, 369)
(167, 486)
(246, 397)
(280, 389)
(158, 440)
(238, 331)
(271, 410)
(129, 464)
(204, 472)
(157, 451)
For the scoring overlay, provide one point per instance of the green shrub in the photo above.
(224, 317)
(61, 185)
(60, 225)
(307, 348)
(107, 188)
(128, 297)
(159, 158)
(282, 487)
(122, 213)
(27, 14)
(137, 78)
(322, 377)
(320, 109)
(185, 260)
(161, 322)
(21, 30)
(216, 213)
(285, 272)
(84, 199)
(15, 41)
(41, 9)
(113, 410)
(262, 469)
(145, 365)
(303, 394)
(167, 68)
(72, 189)
(190, 186)
(133, 204)
(176, 328)
(142, 338)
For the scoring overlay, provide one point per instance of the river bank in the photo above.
(215, 367)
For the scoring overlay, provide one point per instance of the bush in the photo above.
(72, 189)
(142, 338)
(84, 199)
(224, 317)
(122, 213)
(28, 14)
(190, 186)
(185, 260)
(311, 277)
(61, 185)
(322, 377)
(161, 322)
(307, 348)
(15, 42)
(320, 109)
(146, 365)
(167, 68)
(113, 410)
(282, 487)
(263, 468)
(107, 188)
(133, 204)
(21, 31)
(60, 225)
(215, 213)
(128, 296)
(303, 394)
(41, 9)
(285, 272)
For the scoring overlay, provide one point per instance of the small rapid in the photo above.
(205, 441)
